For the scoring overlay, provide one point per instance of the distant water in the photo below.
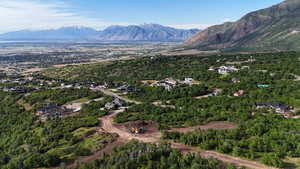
(11, 41)
(59, 43)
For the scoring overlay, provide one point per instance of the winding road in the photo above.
(110, 126)
(112, 94)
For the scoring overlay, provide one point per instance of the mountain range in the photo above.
(273, 28)
(146, 32)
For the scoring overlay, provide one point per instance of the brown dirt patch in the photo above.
(144, 127)
(26, 106)
(149, 127)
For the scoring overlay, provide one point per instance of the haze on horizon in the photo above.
(51, 14)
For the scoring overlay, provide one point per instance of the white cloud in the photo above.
(35, 14)
(40, 14)
(191, 26)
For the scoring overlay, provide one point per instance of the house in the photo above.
(123, 88)
(224, 70)
(52, 111)
(279, 108)
(211, 68)
(166, 85)
(188, 81)
(16, 89)
(66, 86)
(216, 91)
(109, 105)
(239, 93)
(236, 80)
(104, 85)
(127, 88)
(3, 81)
(171, 81)
(115, 104)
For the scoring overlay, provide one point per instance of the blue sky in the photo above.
(44, 14)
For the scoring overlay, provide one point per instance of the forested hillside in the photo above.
(261, 134)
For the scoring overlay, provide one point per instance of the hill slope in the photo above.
(274, 28)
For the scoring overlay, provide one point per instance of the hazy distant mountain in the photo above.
(274, 28)
(147, 32)
(65, 33)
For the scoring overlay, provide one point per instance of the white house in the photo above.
(224, 70)
(188, 80)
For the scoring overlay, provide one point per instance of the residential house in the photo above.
(236, 80)
(279, 108)
(168, 84)
(211, 68)
(52, 111)
(115, 104)
(216, 91)
(66, 86)
(224, 70)
(188, 81)
(171, 81)
(16, 89)
(127, 88)
(239, 93)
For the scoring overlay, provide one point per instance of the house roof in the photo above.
(275, 105)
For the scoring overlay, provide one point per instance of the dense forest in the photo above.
(27, 143)
(268, 138)
(135, 155)
(60, 96)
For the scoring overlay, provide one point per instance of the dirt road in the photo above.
(124, 136)
(222, 157)
(98, 154)
(109, 126)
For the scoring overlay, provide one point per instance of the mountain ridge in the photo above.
(273, 28)
(146, 32)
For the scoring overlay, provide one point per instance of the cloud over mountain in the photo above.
(26, 14)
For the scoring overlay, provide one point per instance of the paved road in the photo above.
(112, 94)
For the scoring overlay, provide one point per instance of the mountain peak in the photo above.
(145, 32)
(290, 2)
